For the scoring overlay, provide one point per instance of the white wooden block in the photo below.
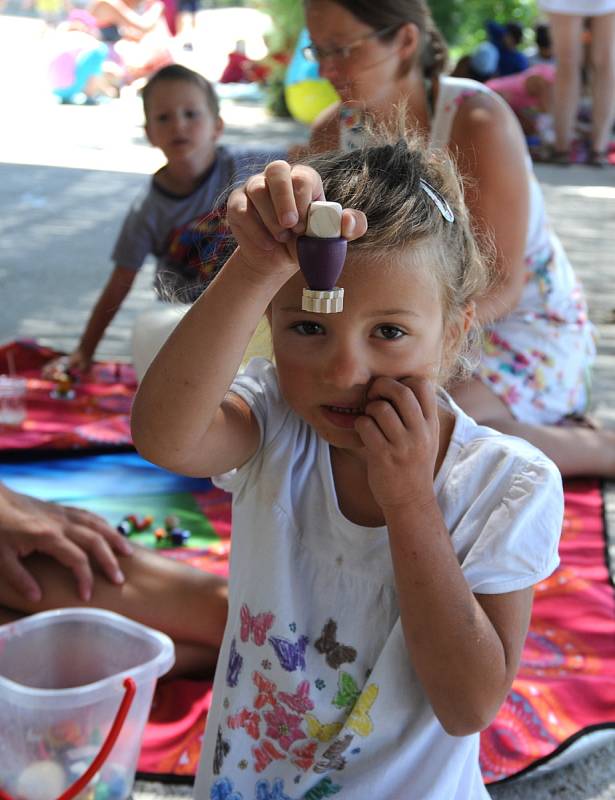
(324, 220)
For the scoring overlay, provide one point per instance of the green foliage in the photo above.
(288, 19)
(462, 21)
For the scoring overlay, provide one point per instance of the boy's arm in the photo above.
(107, 306)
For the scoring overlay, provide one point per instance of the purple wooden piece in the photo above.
(321, 260)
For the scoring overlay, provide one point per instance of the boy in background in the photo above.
(180, 217)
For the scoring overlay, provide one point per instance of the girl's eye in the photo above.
(162, 117)
(389, 332)
(308, 328)
(192, 114)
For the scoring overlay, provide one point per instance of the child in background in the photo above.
(180, 217)
(507, 39)
(530, 95)
(384, 545)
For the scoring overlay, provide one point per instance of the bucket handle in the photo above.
(115, 730)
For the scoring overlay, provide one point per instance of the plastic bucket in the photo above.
(76, 687)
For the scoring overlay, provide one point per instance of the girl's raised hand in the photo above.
(270, 211)
(400, 429)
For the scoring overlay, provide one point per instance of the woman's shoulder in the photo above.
(486, 133)
(324, 134)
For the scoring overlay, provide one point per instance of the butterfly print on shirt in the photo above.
(300, 700)
(335, 653)
(235, 663)
(291, 655)
(257, 625)
(332, 758)
(221, 751)
(248, 720)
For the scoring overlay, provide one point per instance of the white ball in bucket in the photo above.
(42, 780)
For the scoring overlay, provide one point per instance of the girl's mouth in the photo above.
(342, 416)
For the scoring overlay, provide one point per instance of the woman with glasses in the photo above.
(538, 344)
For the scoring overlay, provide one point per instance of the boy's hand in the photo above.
(270, 211)
(75, 362)
(401, 431)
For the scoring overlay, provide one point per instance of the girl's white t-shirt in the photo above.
(314, 693)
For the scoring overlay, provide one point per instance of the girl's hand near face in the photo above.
(400, 429)
(270, 211)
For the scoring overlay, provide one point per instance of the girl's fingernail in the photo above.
(283, 236)
(290, 218)
(118, 576)
(351, 225)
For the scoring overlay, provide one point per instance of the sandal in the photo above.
(561, 158)
(598, 158)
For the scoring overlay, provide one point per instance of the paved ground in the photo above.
(66, 176)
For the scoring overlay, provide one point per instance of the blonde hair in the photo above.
(384, 179)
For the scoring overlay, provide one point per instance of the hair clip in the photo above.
(443, 206)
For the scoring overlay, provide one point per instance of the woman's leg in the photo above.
(183, 602)
(576, 449)
(567, 48)
(602, 55)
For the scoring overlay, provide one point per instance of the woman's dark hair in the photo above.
(380, 14)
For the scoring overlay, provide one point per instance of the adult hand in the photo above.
(400, 429)
(72, 536)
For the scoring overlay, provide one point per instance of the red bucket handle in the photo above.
(115, 730)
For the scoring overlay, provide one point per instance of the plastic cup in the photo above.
(12, 400)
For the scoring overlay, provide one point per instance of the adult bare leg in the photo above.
(576, 449)
(603, 80)
(183, 602)
(567, 49)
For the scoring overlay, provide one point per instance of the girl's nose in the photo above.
(345, 367)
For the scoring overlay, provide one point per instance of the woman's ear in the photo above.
(409, 40)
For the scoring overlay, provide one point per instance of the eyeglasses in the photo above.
(313, 53)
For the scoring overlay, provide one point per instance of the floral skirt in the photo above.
(538, 367)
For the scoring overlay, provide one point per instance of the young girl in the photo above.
(384, 545)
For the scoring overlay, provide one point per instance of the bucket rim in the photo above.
(160, 663)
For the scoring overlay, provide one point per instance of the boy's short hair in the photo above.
(177, 72)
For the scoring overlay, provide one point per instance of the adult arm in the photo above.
(72, 536)
(488, 145)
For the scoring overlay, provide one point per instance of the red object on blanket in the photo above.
(566, 682)
(97, 417)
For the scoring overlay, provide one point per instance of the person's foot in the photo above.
(598, 158)
(561, 158)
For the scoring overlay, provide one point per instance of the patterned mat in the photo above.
(96, 415)
(565, 688)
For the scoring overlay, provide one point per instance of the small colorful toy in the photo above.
(132, 523)
(321, 253)
(63, 390)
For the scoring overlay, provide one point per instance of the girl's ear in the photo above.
(219, 127)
